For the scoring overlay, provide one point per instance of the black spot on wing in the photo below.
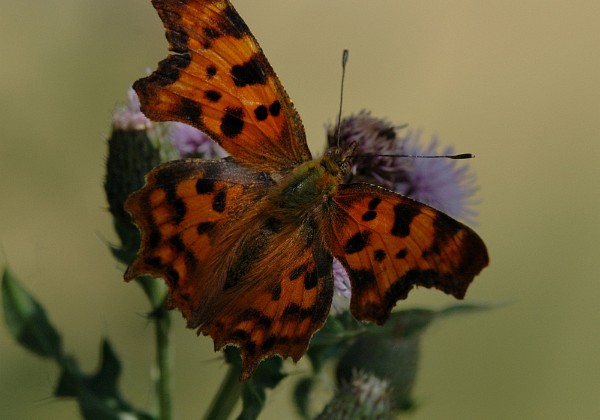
(178, 38)
(211, 71)
(154, 239)
(434, 250)
(275, 108)
(249, 348)
(357, 242)
(249, 73)
(232, 123)
(369, 215)
(188, 110)
(256, 316)
(177, 205)
(374, 203)
(205, 227)
(205, 186)
(261, 112)
(153, 262)
(269, 343)
(298, 271)
(379, 255)
(220, 201)
(212, 95)
(311, 279)
(276, 293)
(240, 335)
(295, 311)
(166, 74)
(232, 23)
(361, 280)
(401, 254)
(177, 243)
(403, 216)
(172, 275)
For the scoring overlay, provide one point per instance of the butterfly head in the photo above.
(338, 160)
(316, 179)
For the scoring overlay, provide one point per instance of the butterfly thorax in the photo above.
(313, 182)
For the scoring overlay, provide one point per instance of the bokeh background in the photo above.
(515, 82)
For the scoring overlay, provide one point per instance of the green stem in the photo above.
(228, 395)
(163, 382)
(155, 291)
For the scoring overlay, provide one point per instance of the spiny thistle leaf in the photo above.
(27, 321)
(98, 394)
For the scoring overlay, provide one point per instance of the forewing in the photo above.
(389, 243)
(179, 213)
(219, 80)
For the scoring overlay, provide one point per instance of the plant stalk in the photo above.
(228, 395)
(163, 357)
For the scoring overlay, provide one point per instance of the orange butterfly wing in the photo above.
(219, 81)
(389, 244)
(209, 230)
(276, 307)
(179, 213)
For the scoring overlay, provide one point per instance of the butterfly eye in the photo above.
(330, 166)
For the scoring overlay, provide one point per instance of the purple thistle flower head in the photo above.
(129, 117)
(191, 142)
(341, 287)
(440, 183)
(445, 184)
(375, 138)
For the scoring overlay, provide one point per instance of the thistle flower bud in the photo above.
(389, 358)
(131, 154)
(364, 396)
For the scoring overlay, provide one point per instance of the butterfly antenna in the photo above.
(339, 122)
(459, 156)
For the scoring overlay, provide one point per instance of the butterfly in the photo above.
(246, 243)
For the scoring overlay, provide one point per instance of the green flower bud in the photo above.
(363, 396)
(131, 155)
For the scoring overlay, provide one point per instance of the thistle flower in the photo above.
(440, 183)
(191, 142)
(444, 184)
(375, 138)
(341, 287)
(129, 117)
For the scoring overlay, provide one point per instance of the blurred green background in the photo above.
(515, 82)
